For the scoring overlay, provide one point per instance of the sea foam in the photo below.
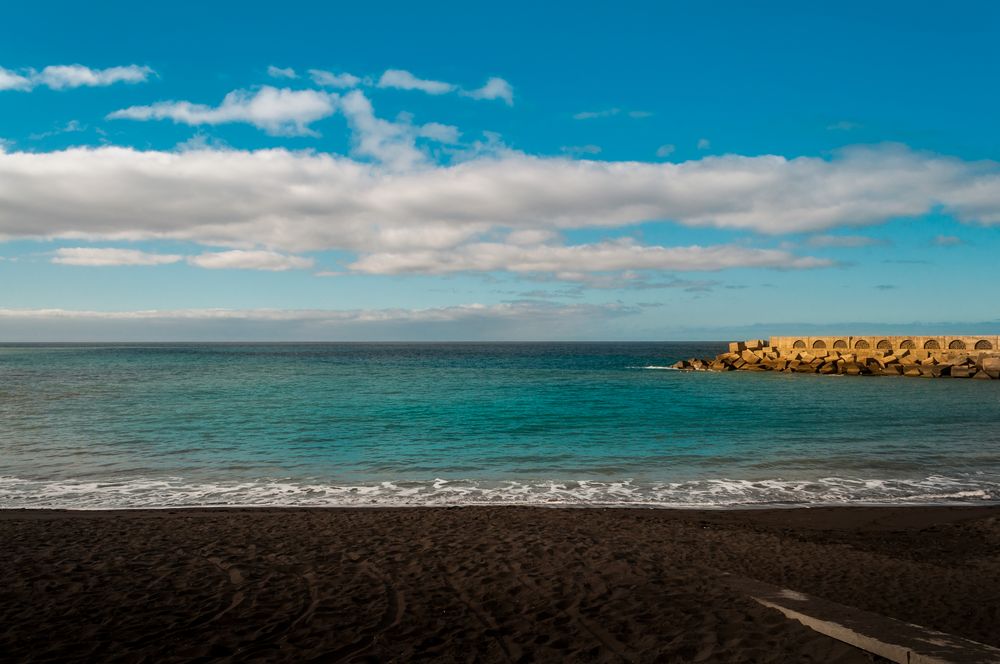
(712, 493)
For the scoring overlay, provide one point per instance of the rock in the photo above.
(911, 369)
(754, 344)
(893, 370)
(982, 375)
(991, 365)
(750, 357)
(737, 347)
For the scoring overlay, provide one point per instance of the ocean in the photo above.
(354, 424)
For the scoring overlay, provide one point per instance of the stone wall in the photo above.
(985, 342)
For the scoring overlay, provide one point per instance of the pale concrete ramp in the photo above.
(894, 640)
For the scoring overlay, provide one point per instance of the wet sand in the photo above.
(479, 584)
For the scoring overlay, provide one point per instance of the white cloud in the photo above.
(592, 115)
(948, 240)
(276, 111)
(404, 80)
(610, 256)
(581, 149)
(223, 260)
(392, 143)
(281, 72)
(10, 80)
(610, 112)
(61, 77)
(70, 127)
(495, 88)
(107, 257)
(411, 212)
(665, 150)
(441, 133)
(239, 259)
(704, 144)
(843, 241)
(330, 80)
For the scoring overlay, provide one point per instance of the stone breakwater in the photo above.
(891, 356)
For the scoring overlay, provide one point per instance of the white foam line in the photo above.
(174, 492)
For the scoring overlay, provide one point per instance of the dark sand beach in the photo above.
(479, 584)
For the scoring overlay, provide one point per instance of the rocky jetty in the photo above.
(758, 355)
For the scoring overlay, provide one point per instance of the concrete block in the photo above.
(891, 639)
(852, 369)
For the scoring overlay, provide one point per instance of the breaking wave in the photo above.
(712, 493)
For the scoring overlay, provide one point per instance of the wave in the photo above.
(124, 493)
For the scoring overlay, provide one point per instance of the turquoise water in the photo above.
(359, 424)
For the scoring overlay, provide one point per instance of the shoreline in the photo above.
(750, 507)
(495, 583)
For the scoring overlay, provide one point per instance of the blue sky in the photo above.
(630, 171)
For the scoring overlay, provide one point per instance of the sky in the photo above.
(514, 171)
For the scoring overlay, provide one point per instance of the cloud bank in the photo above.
(512, 321)
(419, 217)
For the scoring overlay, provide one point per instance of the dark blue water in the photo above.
(361, 424)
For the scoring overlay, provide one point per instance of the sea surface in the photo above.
(99, 426)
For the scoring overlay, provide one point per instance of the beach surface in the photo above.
(480, 584)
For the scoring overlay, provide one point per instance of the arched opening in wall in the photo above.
(908, 344)
(819, 343)
(983, 344)
(840, 343)
(861, 343)
(931, 344)
(957, 344)
(883, 345)
(799, 344)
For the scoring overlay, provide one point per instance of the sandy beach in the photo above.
(480, 584)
